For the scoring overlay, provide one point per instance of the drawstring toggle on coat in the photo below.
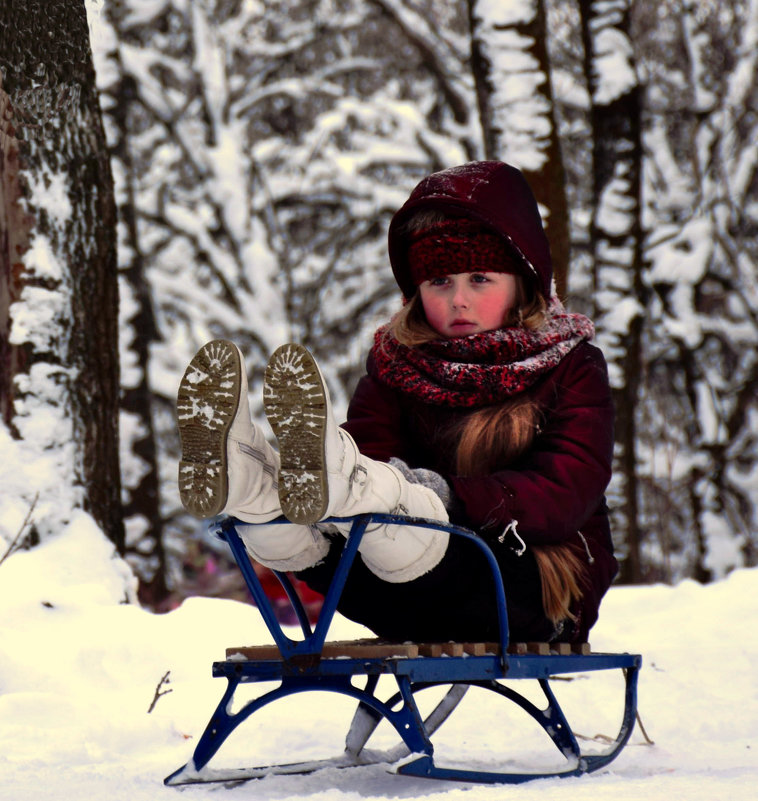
(512, 528)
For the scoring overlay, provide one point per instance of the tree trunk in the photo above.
(511, 71)
(145, 550)
(65, 318)
(616, 242)
(15, 227)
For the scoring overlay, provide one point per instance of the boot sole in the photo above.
(206, 405)
(295, 400)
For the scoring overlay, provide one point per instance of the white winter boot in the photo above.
(323, 474)
(285, 547)
(226, 465)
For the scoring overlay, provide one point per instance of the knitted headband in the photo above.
(459, 246)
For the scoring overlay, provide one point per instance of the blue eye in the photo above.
(479, 278)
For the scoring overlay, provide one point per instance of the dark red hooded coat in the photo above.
(555, 491)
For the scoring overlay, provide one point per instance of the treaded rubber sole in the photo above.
(206, 404)
(295, 400)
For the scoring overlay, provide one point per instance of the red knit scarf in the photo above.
(479, 369)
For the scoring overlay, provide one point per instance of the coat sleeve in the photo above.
(375, 421)
(560, 482)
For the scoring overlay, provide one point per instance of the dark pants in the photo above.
(454, 601)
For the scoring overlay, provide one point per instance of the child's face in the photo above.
(460, 304)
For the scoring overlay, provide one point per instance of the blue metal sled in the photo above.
(308, 664)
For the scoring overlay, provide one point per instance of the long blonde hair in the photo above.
(495, 436)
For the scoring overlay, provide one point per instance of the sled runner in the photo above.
(311, 663)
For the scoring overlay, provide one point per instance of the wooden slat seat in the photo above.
(381, 649)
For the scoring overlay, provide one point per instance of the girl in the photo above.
(483, 404)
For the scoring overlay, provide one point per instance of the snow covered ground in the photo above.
(79, 670)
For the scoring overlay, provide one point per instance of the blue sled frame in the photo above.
(300, 667)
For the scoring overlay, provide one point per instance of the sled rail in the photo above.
(313, 664)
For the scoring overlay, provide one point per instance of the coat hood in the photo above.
(492, 192)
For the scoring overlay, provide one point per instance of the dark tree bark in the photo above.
(616, 242)
(546, 174)
(63, 173)
(15, 226)
(147, 554)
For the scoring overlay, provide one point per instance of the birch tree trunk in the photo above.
(616, 240)
(59, 306)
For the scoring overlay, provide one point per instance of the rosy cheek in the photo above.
(493, 311)
(434, 312)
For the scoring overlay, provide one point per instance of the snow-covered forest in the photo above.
(175, 170)
(258, 149)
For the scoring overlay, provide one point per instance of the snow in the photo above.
(506, 12)
(79, 670)
(614, 68)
